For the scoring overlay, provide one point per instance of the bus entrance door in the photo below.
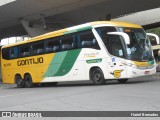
(117, 69)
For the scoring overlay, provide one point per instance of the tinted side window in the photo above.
(86, 39)
(25, 50)
(102, 31)
(14, 52)
(38, 48)
(10, 53)
(68, 42)
(6, 53)
(52, 45)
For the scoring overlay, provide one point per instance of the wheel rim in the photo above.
(20, 82)
(97, 76)
(28, 82)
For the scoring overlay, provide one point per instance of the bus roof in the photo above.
(75, 29)
(117, 23)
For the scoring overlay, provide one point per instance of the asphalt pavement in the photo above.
(138, 94)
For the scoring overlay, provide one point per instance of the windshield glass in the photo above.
(139, 48)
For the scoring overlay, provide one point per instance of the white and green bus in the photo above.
(96, 51)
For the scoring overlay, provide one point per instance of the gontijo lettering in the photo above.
(30, 61)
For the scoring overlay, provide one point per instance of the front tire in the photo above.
(97, 76)
(28, 81)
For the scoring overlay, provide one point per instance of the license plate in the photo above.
(146, 72)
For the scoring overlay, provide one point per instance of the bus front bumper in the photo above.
(137, 72)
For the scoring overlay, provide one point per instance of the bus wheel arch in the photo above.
(96, 75)
(19, 81)
(28, 80)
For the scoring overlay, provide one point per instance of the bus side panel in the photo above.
(76, 65)
(95, 58)
(8, 71)
(35, 66)
(87, 59)
(61, 65)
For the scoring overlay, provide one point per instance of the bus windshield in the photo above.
(139, 48)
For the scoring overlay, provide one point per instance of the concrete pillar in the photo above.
(33, 29)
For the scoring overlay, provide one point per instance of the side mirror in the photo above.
(155, 36)
(123, 35)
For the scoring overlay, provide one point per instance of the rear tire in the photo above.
(28, 81)
(19, 81)
(97, 76)
(122, 80)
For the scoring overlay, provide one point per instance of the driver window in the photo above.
(114, 45)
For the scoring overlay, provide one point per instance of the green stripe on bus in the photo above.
(151, 62)
(72, 31)
(68, 62)
(62, 63)
(94, 61)
(85, 28)
(55, 64)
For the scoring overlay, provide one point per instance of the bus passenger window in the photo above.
(87, 40)
(49, 49)
(5, 53)
(66, 46)
(56, 48)
(38, 48)
(14, 52)
(52, 45)
(40, 51)
(25, 51)
(67, 43)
